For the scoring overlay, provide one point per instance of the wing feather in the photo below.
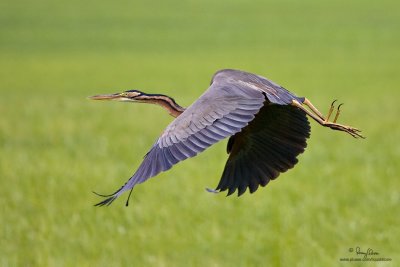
(266, 147)
(175, 152)
(205, 138)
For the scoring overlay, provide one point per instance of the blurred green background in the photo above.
(56, 146)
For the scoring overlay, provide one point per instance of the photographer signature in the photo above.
(369, 252)
(365, 255)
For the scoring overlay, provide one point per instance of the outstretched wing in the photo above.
(265, 148)
(223, 110)
(275, 93)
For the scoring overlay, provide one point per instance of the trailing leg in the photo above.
(318, 117)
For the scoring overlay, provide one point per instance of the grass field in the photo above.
(56, 146)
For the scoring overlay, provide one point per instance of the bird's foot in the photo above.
(331, 108)
(324, 121)
(356, 133)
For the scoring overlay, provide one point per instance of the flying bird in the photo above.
(266, 124)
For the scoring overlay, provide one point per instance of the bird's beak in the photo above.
(117, 96)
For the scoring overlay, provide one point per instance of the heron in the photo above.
(267, 126)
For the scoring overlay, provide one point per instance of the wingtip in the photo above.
(109, 198)
(101, 195)
(231, 190)
(214, 191)
(106, 202)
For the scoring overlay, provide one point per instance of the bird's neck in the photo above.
(164, 101)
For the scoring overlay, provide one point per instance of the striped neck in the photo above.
(164, 101)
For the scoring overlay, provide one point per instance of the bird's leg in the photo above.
(317, 116)
(313, 109)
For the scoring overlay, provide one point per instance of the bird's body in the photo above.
(266, 123)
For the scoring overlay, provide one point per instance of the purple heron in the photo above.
(266, 124)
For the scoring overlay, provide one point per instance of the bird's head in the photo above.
(127, 96)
